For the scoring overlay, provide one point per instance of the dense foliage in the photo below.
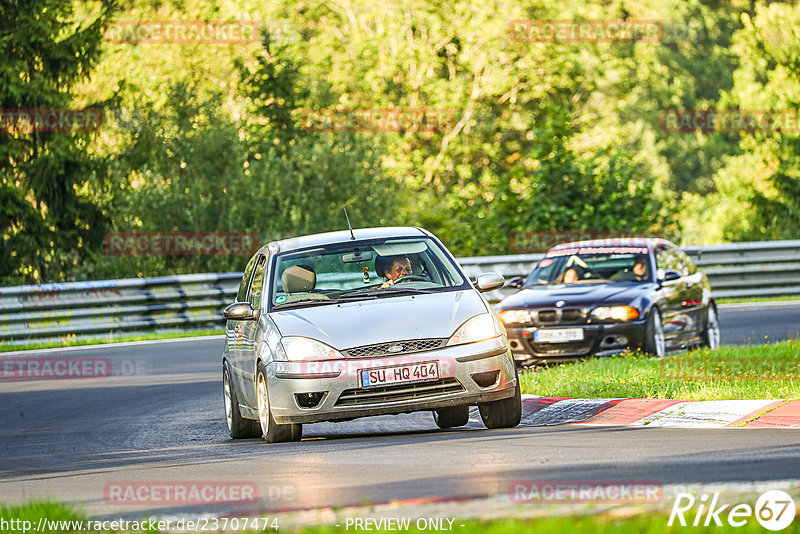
(536, 136)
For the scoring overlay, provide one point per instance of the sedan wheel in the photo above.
(712, 333)
(505, 413)
(271, 431)
(238, 427)
(654, 337)
(451, 417)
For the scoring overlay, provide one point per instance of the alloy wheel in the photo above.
(263, 404)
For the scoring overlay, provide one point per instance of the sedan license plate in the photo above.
(415, 372)
(561, 335)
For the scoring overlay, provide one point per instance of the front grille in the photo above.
(572, 316)
(382, 349)
(559, 316)
(548, 317)
(399, 392)
(572, 348)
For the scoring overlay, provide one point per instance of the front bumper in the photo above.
(598, 340)
(468, 375)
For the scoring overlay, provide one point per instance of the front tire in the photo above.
(505, 413)
(711, 333)
(271, 431)
(238, 427)
(654, 342)
(451, 417)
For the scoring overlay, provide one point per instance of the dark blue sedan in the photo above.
(604, 297)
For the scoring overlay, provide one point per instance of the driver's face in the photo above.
(639, 269)
(400, 267)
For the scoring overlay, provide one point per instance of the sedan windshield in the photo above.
(358, 270)
(588, 265)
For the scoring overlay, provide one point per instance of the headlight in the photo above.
(303, 348)
(479, 328)
(615, 313)
(510, 317)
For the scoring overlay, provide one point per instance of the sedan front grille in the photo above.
(399, 392)
(398, 347)
(559, 316)
(572, 348)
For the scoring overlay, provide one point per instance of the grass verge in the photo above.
(740, 300)
(754, 372)
(643, 523)
(72, 342)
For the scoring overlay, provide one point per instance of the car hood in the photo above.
(573, 295)
(353, 324)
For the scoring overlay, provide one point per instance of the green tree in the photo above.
(758, 190)
(50, 217)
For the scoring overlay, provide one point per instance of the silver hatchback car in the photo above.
(348, 324)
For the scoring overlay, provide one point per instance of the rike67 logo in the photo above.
(774, 510)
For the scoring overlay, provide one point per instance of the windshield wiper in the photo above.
(361, 295)
(391, 290)
(304, 302)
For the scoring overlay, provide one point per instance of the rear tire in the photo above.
(505, 413)
(654, 342)
(238, 427)
(711, 333)
(451, 417)
(271, 431)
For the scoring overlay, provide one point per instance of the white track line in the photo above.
(112, 345)
(703, 414)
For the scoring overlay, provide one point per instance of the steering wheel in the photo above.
(409, 277)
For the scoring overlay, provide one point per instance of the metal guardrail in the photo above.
(118, 308)
(734, 270)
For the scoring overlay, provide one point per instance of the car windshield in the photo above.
(361, 270)
(591, 265)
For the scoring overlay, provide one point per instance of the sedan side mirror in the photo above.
(241, 311)
(669, 275)
(489, 281)
(516, 282)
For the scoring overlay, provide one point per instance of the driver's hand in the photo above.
(388, 283)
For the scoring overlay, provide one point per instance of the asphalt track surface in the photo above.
(159, 418)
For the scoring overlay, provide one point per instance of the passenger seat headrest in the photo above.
(298, 279)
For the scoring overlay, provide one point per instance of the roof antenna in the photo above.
(352, 236)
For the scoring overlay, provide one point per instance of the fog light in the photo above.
(309, 400)
(486, 379)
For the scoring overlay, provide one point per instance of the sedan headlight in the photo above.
(615, 313)
(303, 348)
(479, 328)
(510, 317)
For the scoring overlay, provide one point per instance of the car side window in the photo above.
(673, 258)
(686, 264)
(258, 283)
(666, 259)
(241, 295)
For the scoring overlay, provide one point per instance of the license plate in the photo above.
(561, 335)
(414, 372)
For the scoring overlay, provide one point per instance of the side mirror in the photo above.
(489, 281)
(516, 282)
(241, 311)
(668, 275)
